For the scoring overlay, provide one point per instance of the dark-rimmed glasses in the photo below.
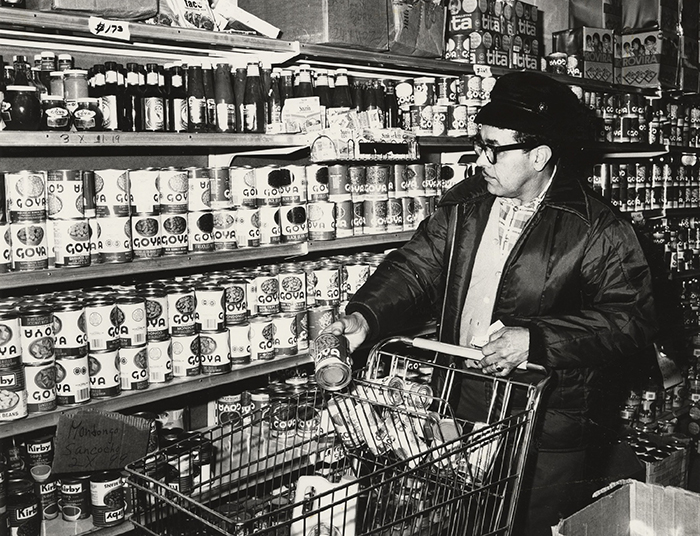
(491, 151)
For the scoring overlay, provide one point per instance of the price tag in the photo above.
(114, 29)
(484, 71)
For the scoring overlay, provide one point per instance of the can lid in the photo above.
(129, 298)
(20, 486)
(33, 308)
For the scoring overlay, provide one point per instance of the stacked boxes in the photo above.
(650, 59)
(660, 14)
(589, 51)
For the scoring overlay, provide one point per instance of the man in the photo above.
(525, 242)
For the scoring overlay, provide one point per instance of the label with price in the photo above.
(484, 71)
(114, 29)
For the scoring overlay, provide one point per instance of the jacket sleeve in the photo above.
(408, 284)
(617, 317)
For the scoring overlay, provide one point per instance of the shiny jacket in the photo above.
(577, 278)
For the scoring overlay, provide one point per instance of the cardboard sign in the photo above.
(93, 440)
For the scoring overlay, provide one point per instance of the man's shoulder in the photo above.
(468, 190)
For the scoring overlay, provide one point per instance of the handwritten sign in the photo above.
(93, 440)
(114, 29)
(484, 71)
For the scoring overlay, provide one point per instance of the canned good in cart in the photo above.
(331, 361)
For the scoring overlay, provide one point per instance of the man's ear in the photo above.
(540, 156)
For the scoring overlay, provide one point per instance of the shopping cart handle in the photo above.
(460, 351)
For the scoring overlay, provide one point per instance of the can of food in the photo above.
(199, 190)
(112, 193)
(72, 381)
(394, 215)
(210, 307)
(293, 227)
(358, 218)
(114, 242)
(102, 323)
(13, 394)
(321, 220)
(75, 497)
(41, 387)
(220, 188)
(302, 331)
(357, 175)
(131, 319)
(422, 208)
(181, 309)
(229, 409)
(185, 355)
(47, 493)
(30, 247)
(107, 498)
(105, 374)
(457, 120)
(267, 296)
(285, 334)
(215, 352)
(418, 396)
(341, 411)
(146, 236)
(65, 194)
(338, 181)
(319, 318)
(415, 180)
(317, 178)
(377, 180)
(292, 288)
(331, 362)
(262, 339)
(327, 284)
(400, 180)
(145, 195)
(432, 174)
(375, 212)
(24, 515)
(10, 338)
(247, 227)
(157, 327)
(39, 450)
(236, 301)
(71, 242)
(26, 196)
(174, 234)
(173, 187)
(239, 342)
(267, 181)
(133, 368)
(357, 275)
(440, 120)
(385, 391)
(344, 217)
(89, 207)
(200, 229)
(160, 362)
(36, 335)
(225, 229)
(95, 241)
(293, 185)
(242, 186)
(270, 232)
(5, 246)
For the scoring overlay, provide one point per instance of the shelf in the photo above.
(156, 393)
(361, 241)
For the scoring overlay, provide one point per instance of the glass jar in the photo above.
(24, 112)
(87, 115)
(75, 86)
(56, 83)
(55, 115)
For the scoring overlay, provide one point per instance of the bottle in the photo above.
(357, 92)
(303, 86)
(239, 93)
(380, 98)
(196, 100)
(341, 97)
(286, 85)
(22, 71)
(152, 102)
(225, 104)
(265, 84)
(36, 80)
(132, 116)
(391, 105)
(274, 105)
(209, 94)
(177, 101)
(371, 107)
(110, 97)
(323, 91)
(253, 109)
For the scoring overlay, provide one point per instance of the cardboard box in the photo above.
(122, 10)
(596, 13)
(592, 47)
(417, 28)
(658, 14)
(650, 59)
(636, 509)
(353, 23)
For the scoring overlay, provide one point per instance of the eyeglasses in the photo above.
(491, 151)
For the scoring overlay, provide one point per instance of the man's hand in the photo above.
(354, 327)
(506, 349)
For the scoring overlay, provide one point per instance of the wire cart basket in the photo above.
(386, 456)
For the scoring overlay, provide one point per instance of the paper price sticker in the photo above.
(484, 71)
(114, 29)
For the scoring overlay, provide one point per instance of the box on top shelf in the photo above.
(650, 59)
(590, 51)
(354, 23)
(417, 28)
(596, 14)
(122, 10)
(659, 14)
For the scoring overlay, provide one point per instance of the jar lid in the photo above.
(89, 100)
(21, 88)
(52, 98)
(75, 72)
(56, 74)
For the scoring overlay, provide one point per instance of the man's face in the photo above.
(513, 174)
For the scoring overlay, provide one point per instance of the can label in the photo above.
(267, 299)
(321, 221)
(269, 225)
(358, 218)
(114, 242)
(220, 189)
(285, 334)
(247, 227)
(409, 210)
(65, 194)
(293, 185)
(239, 342)
(47, 493)
(242, 185)
(440, 118)
(173, 189)
(317, 179)
(112, 192)
(400, 180)
(147, 239)
(377, 180)
(5, 246)
(229, 409)
(293, 225)
(10, 342)
(157, 328)
(41, 388)
(331, 361)
(430, 183)
(415, 179)
(37, 338)
(107, 491)
(71, 242)
(236, 299)
(131, 318)
(320, 317)
(209, 313)
(200, 228)
(199, 190)
(105, 375)
(174, 232)
(292, 291)
(327, 285)
(358, 182)
(13, 394)
(95, 241)
(39, 451)
(225, 230)
(30, 248)
(25, 520)
(181, 310)
(215, 352)
(357, 275)
(375, 212)
(394, 215)
(72, 381)
(133, 368)
(268, 179)
(185, 355)
(26, 196)
(344, 216)
(102, 326)
(262, 342)
(145, 198)
(76, 493)
(338, 180)
(160, 363)
(302, 331)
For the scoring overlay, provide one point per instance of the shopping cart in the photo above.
(387, 456)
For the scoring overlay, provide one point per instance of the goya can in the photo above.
(10, 339)
(37, 337)
(332, 364)
(199, 189)
(102, 322)
(73, 381)
(358, 182)
(269, 225)
(338, 181)
(95, 241)
(41, 387)
(267, 299)
(410, 213)
(30, 245)
(131, 319)
(112, 193)
(200, 229)
(247, 227)
(262, 340)
(357, 275)
(26, 196)
(71, 242)
(107, 498)
(5, 246)
(267, 182)
(175, 235)
(320, 317)
(105, 375)
(160, 363)
(185, 355)
(114, 242)
(229, 409)
(173, 188)
(293, 185)
(145, 193)
(327, 284)
(358, 218)
(69, 327)
(156, 302)
(75, 493)
(292, 288)
(293, 226)
(285, 334)
(24, 515)
(13, 394)
(344, 218)
(239, 343)
(302, 331)
(394, 215)
(321, 220)
(209, 312)
(377, 180)
(146, 236)
(236, 301)
(133, 368)
(65, 194)
(375, 211)
(224, 229)
(215, 352)
(317, 179)
(182, 305)
(242, 184)
(220, 188)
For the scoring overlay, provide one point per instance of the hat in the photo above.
(530, 102)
